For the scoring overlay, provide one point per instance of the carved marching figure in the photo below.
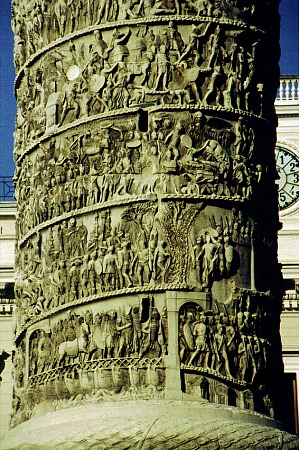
(200, 333)
(110, 269)
(197, 259)
(125, 328)
(98, 336)
(137, 331)
(221, 349)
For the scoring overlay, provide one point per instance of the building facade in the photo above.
(7, 262)
(287, 108)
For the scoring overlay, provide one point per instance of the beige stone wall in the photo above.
(7, 241)
(290, 331)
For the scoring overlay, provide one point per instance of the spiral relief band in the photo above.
(147, 221)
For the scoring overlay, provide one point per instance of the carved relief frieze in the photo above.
(36, 25)
(196, 155)
(216, 248)
(135, 333)
(173, 64)
(231, 344)
(98, 352)
(140, 246)
(92, 256)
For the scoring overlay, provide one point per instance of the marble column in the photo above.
(147, 206)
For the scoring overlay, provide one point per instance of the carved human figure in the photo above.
(107, 11)
(110, 269)
(82, 334)
(92, 274)
(141, 263)
(110, 333)
(77, 235)
(240, 176)
(55, 284)
(33, 355)
(75, 279)
(117, 49)
(188, 343)
(129, 10)
(84, 276)
(98, 337)
(71, 106)
(247, 348)
(60, 11)
(231, 338)
(209, 254)
(163, 338)
(150, 331)
(205, 8)
(200, 333)
(99, 46)
(124, 260)
(212, 348)
(162, 75)
(213, 89)
(44, 350)
(222, 352)
(229, 255)
(161, 262)
(58, 337)
(173, 40)
(194, 46)
(125, 328)
(214, 47)
(196, 259)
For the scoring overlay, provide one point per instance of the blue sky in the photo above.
(289, 65)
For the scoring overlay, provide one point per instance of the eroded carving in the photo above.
(143, 151)
(232, 345)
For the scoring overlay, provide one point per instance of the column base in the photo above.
(150, 424)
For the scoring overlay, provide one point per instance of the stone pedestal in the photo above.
(150, 424)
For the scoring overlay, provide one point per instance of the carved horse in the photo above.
(73, 349)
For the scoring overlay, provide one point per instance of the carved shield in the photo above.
(97, 82)
(73, 73)
(186, 141)
(229, 253)
(193, 73)
(134, 143)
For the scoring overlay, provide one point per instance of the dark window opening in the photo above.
(289, 403)
(289, 284)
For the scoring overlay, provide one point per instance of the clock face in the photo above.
(287, 164)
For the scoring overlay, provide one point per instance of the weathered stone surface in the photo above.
(150, 425)
(146, 256)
